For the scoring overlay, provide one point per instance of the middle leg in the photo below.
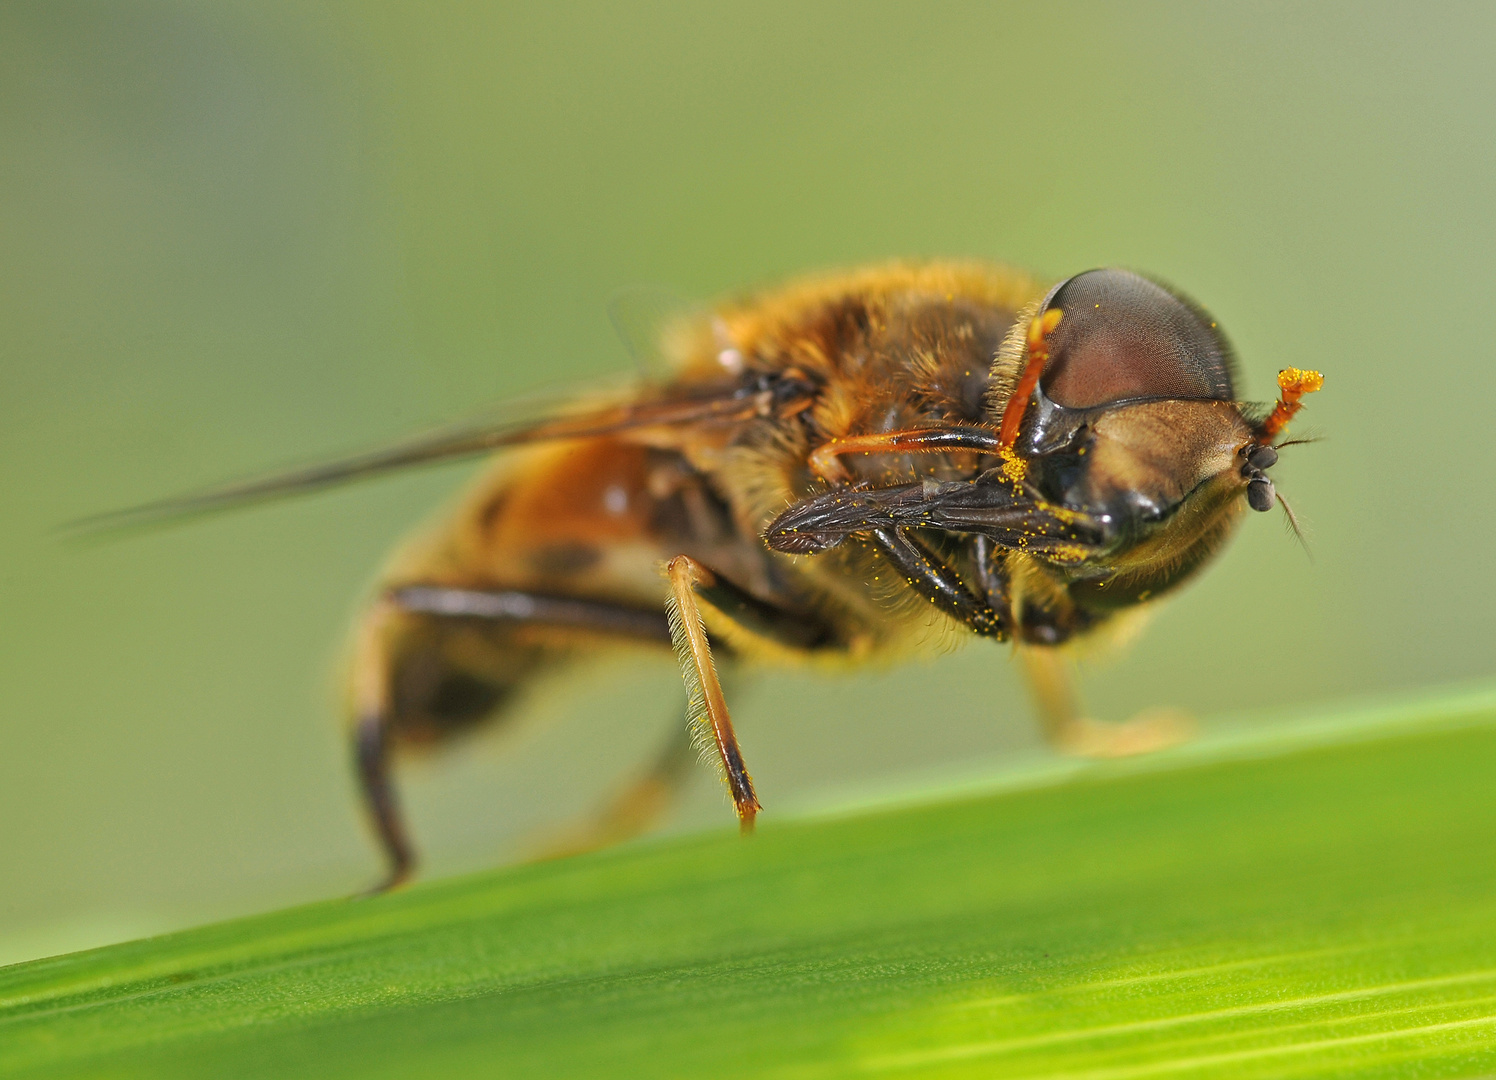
(706, 708)
(708, 731)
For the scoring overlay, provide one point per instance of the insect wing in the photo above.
(556, 421)
(651, 321)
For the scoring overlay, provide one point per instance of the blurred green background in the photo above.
(237, 236)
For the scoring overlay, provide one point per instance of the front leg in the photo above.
(941, 584)
(1068, 729)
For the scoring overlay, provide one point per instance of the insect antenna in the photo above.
(1293, 384)
(1293, 524)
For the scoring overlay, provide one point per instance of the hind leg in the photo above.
(637, 808)
(434, 658)
(373, 739)
(431, 661)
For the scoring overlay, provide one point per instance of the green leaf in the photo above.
(1312, 902)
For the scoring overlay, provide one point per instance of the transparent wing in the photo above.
(647, 318)
(720, 404)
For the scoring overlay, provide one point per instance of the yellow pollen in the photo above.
(1297, 380)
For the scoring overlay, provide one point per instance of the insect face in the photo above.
(1134, 426)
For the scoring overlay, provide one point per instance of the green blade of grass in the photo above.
(1321, 910)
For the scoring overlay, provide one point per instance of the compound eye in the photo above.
(1123, 336)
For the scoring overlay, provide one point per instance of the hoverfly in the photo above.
(829, 468)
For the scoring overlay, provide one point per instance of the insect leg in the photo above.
(375, 728)
(371, 758)
(991, 575)
(825, 460)
(939, 583)
(1067, 728)
(708, 709)
(371, 747)
(516, 605)
(635, 809)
